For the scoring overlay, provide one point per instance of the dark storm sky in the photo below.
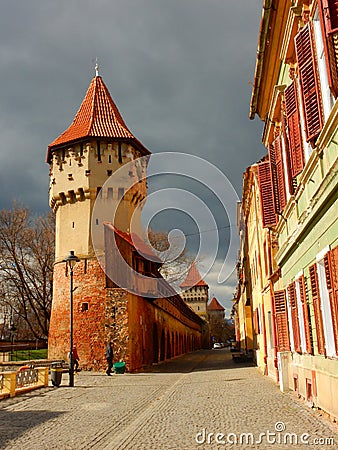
(178, 70)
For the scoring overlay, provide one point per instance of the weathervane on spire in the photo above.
(96, 68)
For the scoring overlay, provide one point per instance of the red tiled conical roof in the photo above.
(193, 278)
(214, 305)
(97, 116)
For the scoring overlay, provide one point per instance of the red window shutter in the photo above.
(294, 316)
(317, 309)
(331, 274)
(266, 194)
(334, 265)
(256, 323)
(309, 82)
(331, 10)
(306, 315)
(294, 131)
(277, 171)
(328, 11)
(287, 168)
(281, 318)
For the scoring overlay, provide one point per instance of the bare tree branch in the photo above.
(26, 268)
(176, 260)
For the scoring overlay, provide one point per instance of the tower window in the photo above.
(84, 306)
(96, 221)
(120, 193)
(109, 158)
(119, 147)
(87, 173)
(73, 224)
(98, 151)
(110, 192)
(109, 173)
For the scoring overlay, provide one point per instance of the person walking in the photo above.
(76, 359)
(109, 358)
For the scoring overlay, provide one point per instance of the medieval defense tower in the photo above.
(195, 292)
(81, 160)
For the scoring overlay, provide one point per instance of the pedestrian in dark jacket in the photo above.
(109, 358)
(75, 359)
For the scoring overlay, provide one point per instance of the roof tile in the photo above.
(214, 305)
(193, 278)
(97, 116)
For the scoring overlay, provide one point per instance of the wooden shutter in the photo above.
(266, 194)
(331, 9)
(294, 131)
(256, 321)
(317, 310)
(306, 315)
(277, 172)
(331, 275)
(294, 316)
(287, 168)
(281, 319)
(309, 82)
(328, 12)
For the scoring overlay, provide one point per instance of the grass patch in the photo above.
(25, 355)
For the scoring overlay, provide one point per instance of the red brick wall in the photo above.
(116, 313)
(90, 326)
(102, 314)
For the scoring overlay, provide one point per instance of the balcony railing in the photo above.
(25, 379)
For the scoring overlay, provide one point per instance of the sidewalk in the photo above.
(183, 404)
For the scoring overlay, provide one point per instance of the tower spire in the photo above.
(96, 67)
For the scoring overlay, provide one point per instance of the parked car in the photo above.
(217, 345)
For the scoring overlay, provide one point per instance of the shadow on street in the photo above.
(201, 360)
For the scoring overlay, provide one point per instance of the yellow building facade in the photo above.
(256, 267)
(294, 92)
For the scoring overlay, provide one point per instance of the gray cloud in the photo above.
(178, 70)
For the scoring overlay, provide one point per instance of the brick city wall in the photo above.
(141, 331)
(91, 324)
(116, 314)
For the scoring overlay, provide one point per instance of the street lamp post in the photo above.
(12, 330)
(71, 260)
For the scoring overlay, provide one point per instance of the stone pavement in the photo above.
(201, 400)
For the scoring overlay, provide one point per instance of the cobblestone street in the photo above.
(180, 401)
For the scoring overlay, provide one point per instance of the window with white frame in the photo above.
(326, 310)
(300, 317)
(327, 97)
